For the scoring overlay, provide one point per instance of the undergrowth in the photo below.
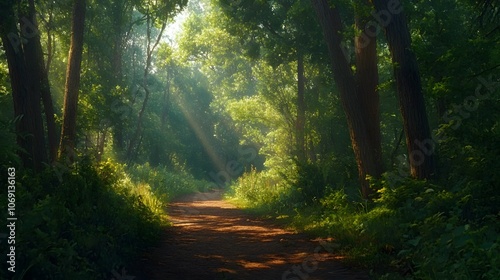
(411, 230)
(89, 222)
(164, 182)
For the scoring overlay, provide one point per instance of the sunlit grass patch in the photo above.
(156, 203)
(165, 183)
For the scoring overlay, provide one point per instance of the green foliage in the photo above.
(165, 183)
(8, 147)
(413, 230)
(261, 190)
(82, 225)
(230, 80)
(282, 190)
(418, 229)
(439, 236)
(311, 183)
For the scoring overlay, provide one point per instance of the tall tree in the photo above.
(121, 15)
(365, 46)
(151, 45)
(68, 133)
(47, 101)
(156, 13)
(25, 61)
(301, 109)
(355, 99)
(411, 99)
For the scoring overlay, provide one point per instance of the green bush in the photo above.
(432, 233)
(310, 183)
(82, 225)
(165, 183)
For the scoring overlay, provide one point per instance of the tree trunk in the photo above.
(301, 109)
(35, 69)
(50, 38)
(119, 13)
(149, 54)
(25, 71)
(411, 99)
(365, 45)
(118, 41)
(101, 143)
(49, 117)
(329, 19)
(68, 133)
(53, 143)
(46, 96)
(166, 99)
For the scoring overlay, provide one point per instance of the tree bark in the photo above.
(48, 106)
(166, 99)
(301, 109)
(330, 22)
(25, 71)
(365, 45)
(46, 95)
(34, 66)
(52, 135)
(117, 14)
(411, 100)
(68, 133)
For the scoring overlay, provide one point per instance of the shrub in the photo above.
(265, 191)
(165, 183)
(83, 226)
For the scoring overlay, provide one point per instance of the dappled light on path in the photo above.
(212, 239)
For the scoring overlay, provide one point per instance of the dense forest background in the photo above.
(374, 122)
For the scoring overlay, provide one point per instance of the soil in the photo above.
(211, 239)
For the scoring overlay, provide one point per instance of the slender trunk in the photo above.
(50, 38)
(101, 143)
(49, 118)
(166, 100)
(118, 13)
(138, 129)
(329, 19)
(46, 94)
(149, 55)
(411, 100)
(311, 150)
(301, 109)
(68, 133)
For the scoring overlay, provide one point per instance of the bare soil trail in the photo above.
(213, 240)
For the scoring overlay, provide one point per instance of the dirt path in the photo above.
(213, 240)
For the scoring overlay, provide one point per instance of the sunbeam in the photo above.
(201, 135)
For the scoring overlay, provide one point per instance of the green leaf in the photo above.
(414, 242)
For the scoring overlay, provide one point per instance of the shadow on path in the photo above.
(213, 240)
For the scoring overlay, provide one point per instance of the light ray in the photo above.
(201, 135)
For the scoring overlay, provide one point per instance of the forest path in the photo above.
(213, 240)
